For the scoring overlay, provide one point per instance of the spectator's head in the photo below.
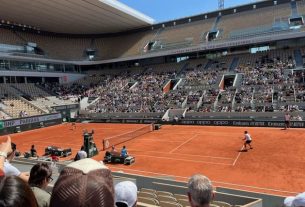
(14, 192)
(125, 194)
(84, 183)
(11, 154)
(40, 175)
(200, 191)
(295, 201)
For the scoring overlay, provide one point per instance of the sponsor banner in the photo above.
(1, 125)
(242, 123)
(246, 123)
(29, 120)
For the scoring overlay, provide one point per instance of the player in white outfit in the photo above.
(248, 140)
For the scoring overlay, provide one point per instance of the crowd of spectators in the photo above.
(264, 87)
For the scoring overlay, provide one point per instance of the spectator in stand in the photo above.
(14, 192)
(86, 182)
(9, 169)
(125, 194)
(200, 191)
(295, 201)
(40, 177)
(5, 149)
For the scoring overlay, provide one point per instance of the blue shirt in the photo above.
(124, 152)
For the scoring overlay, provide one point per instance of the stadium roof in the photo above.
(73, 16)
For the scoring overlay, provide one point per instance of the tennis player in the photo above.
(248, 140)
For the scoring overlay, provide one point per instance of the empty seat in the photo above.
(166, 198)
(164, 193)
(221, 204)
(150, 201)
(147, 195)
(169, 204)
(184, 202)
(147, 190)
(180, 196)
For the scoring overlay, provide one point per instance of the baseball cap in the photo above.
(297, 201)
(126, 192)
(85, 182)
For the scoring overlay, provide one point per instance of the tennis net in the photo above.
(119, 139)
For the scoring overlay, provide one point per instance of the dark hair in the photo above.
(14, 192)
(14, 146)
(246, 132)
(120, 204)
(82, 148)
(75, 188)
(39, 173)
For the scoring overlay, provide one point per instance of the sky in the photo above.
(165, 10)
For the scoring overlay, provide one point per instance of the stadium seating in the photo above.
(251, 19)
(190, 32)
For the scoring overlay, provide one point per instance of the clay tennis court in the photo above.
(275, 165)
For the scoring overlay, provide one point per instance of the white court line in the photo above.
(177, 159)
(240, 151)
(213, 181)
(213, 157)
(183, 143)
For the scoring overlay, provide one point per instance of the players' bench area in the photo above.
(165, 191)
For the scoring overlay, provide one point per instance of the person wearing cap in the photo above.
(125, 194)
(295, 201)
(9, 169)
(200, 191)
(85, 182)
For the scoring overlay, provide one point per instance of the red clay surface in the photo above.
(276, 165)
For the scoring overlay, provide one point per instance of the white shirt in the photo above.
(248, 137)
(287, 117)
(82, 154)
(9, 169)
